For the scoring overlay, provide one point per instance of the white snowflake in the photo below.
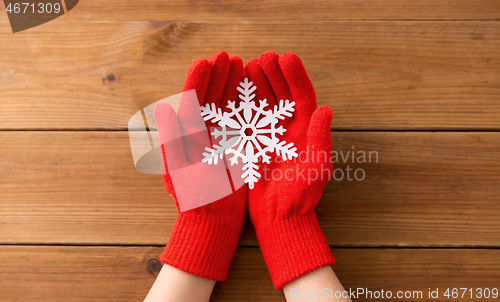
(251, 136)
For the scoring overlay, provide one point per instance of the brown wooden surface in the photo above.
(427, 189)
(416, 81)
(374, 74)
(44, 273)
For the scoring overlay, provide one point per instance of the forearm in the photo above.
(174, 285)
(319, 284)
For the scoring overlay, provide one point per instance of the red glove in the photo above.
(282, 203)
(203, 240)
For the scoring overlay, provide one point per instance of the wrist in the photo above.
(203, 243)
(293, 246)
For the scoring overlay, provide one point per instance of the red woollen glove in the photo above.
(282, 203)
(203, 240)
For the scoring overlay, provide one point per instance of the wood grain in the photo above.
(427, 189)
(380, 65)
(44, 273)
(377, 75)
(190, 10)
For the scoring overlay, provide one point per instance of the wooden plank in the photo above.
(190, 10)
(431, 189)
(84, 186)
(49, 273)
(383, 75)
(427, 189)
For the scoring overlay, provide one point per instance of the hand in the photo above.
(282, 203)
(203, 239)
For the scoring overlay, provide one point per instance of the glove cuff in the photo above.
(293, 247)
(202, 244)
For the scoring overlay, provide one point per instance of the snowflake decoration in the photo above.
(247, 135)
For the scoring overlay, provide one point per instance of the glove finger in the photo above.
(170, 138)
(189, 115)
(234, 78)
(301, 89)
(319, 140)
(172, 155)
(269, 61)
(218, 75)
(197, 78)
(194, 130)
(188, 112)
(230, 93)
(264, 91)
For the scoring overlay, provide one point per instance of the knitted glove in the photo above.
(203, 239)
(282, 203)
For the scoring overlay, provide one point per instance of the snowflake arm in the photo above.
(284, 109)
(212, 156)
(286, 151)
(246, 90)
(211, 113)
(250, 176)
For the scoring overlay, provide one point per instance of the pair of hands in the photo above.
(281, 205)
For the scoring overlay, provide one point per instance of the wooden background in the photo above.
(417, 81)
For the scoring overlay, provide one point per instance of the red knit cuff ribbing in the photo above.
(202, 246)
(293, 247)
